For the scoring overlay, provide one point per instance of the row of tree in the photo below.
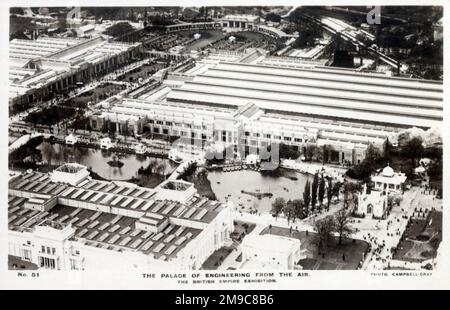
(375, 158)
(314, 195)
(153, 167)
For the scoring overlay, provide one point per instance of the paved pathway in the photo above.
(382, 234)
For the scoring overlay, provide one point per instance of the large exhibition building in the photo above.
(227, 99)
(67, 221)
(46, 65)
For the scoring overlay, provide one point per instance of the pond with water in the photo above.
(228, 186)
(97, 160)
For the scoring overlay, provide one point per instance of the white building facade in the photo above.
(232, 23)
(270, 251)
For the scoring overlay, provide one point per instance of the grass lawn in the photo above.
(101, 92)
(207, 37)
(333, 259)
(216, 258)
(421, 239)
(142, 72)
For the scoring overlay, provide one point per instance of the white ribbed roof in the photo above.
(319, 91)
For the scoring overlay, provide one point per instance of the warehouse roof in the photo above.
(83, 207)
(318, 91)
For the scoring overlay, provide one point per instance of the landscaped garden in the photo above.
(143, 72)
(99, 93)
(346, 256)
(421, 238)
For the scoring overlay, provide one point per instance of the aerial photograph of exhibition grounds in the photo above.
(225, 138)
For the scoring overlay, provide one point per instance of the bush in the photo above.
(119, 29)
(17, 156)
(188, 171)
(272, 17)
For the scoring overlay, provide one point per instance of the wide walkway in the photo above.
(381, 234)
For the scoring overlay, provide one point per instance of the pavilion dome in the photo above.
(388, 172)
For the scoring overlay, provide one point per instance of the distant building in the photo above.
(237, 23)
(232, 23)
(272, 31)
(70, 173)
(85, 31)
(193, 26)
(140, 148)
(372, 204)
(106, 143)
(252, 159)
(71, 139)
(223, 100)
(389, 181)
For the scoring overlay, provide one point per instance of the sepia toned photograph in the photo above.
(225, 139)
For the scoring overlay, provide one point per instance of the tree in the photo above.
(310, 150)
(435, 170)
(272, 17)
(342, 224)
(299, 208)
(337, 189)
(327, 151)
(289, 211)
(387, 149)
(288, 152)
(48, 151)
(277, 206)
(314, 187)
(323, 153)
(161, 168)
(372, 153)
(390, 201)
(321, 193)
(413, 149)
(398, 200)
(363, 170)
(307, 196)
(346, 195)
(324, 229)
(350, 194)
(329, 193)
